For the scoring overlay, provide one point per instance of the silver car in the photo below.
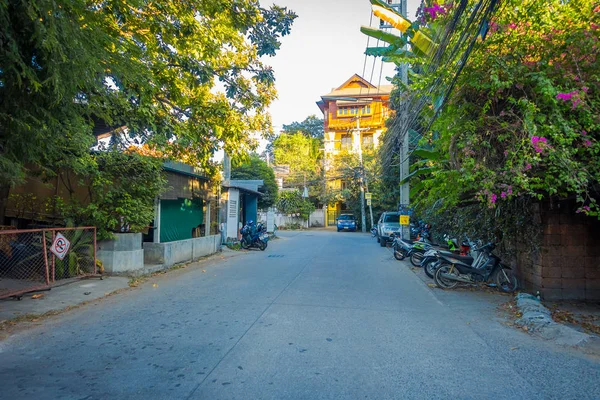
(388, 223)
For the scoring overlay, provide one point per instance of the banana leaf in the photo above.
(428, 154)
(384, 36)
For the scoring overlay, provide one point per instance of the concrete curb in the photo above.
(538, 320)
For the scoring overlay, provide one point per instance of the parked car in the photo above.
(388, 224)
(346, 222)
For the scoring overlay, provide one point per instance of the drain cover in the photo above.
(276, 256)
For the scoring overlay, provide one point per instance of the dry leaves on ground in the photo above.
(590, 323)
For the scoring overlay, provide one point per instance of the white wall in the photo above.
(316, 219)
(233, 209)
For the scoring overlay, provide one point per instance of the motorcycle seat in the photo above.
(465, 259)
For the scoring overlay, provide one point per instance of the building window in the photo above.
(346, 142)
(367, 141)
(354, 110)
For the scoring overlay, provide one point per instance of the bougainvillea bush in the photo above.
(524, 118)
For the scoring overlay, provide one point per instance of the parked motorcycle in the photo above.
(417, 252)
(374, 231)
(431, 260)
(254, 236)
(401, 246)
(486, 267)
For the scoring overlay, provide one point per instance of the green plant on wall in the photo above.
(292, 203)
(122, 188)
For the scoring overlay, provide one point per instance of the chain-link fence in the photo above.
(35, 259)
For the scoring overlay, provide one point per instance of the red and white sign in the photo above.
(60, 247)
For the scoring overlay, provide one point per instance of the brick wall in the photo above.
(567, 265)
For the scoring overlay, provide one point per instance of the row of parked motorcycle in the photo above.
(254, 236)
(453, 264)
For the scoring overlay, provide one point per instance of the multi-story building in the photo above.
(354, 116)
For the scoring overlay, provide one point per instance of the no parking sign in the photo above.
(60, 246)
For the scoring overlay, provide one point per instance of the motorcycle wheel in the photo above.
(416, 258)
(262, 245)
(429, 269)
(442, 282)
(244, 244)
(377, 239)
(505, 281)
(398, 255)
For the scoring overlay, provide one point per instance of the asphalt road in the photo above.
(318, 315)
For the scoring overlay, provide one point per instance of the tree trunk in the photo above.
(4, 192)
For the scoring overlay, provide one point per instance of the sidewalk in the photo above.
(80, 292)
(61, 297)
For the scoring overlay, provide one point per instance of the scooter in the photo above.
(486, 267)
(431, 259)
(254, 236)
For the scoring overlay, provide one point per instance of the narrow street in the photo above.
(318, 315)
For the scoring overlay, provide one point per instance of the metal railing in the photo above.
(37, 259)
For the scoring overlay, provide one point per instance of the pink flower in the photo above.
(503, 195)
(587, 143)
(564, 96)
(527, 167)
(434, 11)
(505, 152)
(585, 89)
(512, 26)
(574, 96)
(509, 190)
(584, 133)
(539, 143)
(493, 198)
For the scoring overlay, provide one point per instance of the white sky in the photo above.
(324, 49)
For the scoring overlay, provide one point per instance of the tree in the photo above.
(291, 202)
(152, 67)
(304, 157)
(311, 127)
(122, 188)
(255, 168)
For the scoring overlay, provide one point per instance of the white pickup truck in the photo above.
(388, 223)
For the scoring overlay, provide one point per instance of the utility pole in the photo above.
(370, 205)
(363, 218)
(404, 164)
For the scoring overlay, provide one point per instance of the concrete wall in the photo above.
(567, 265)
(316, 219)
(123, 254)
(181, 251)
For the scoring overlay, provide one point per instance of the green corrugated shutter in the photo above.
(178, 218)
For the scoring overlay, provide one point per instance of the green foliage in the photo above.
(122, 192)
(155, 67)
(311, 127)
(292, 203)
(80, 258)
(304, 157)
(255, 168)
(524, 119)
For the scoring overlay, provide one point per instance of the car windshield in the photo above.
(392, 218)
(346, 218)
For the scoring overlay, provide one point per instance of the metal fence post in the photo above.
(53, 260)
(45, 257)
(95, 261)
